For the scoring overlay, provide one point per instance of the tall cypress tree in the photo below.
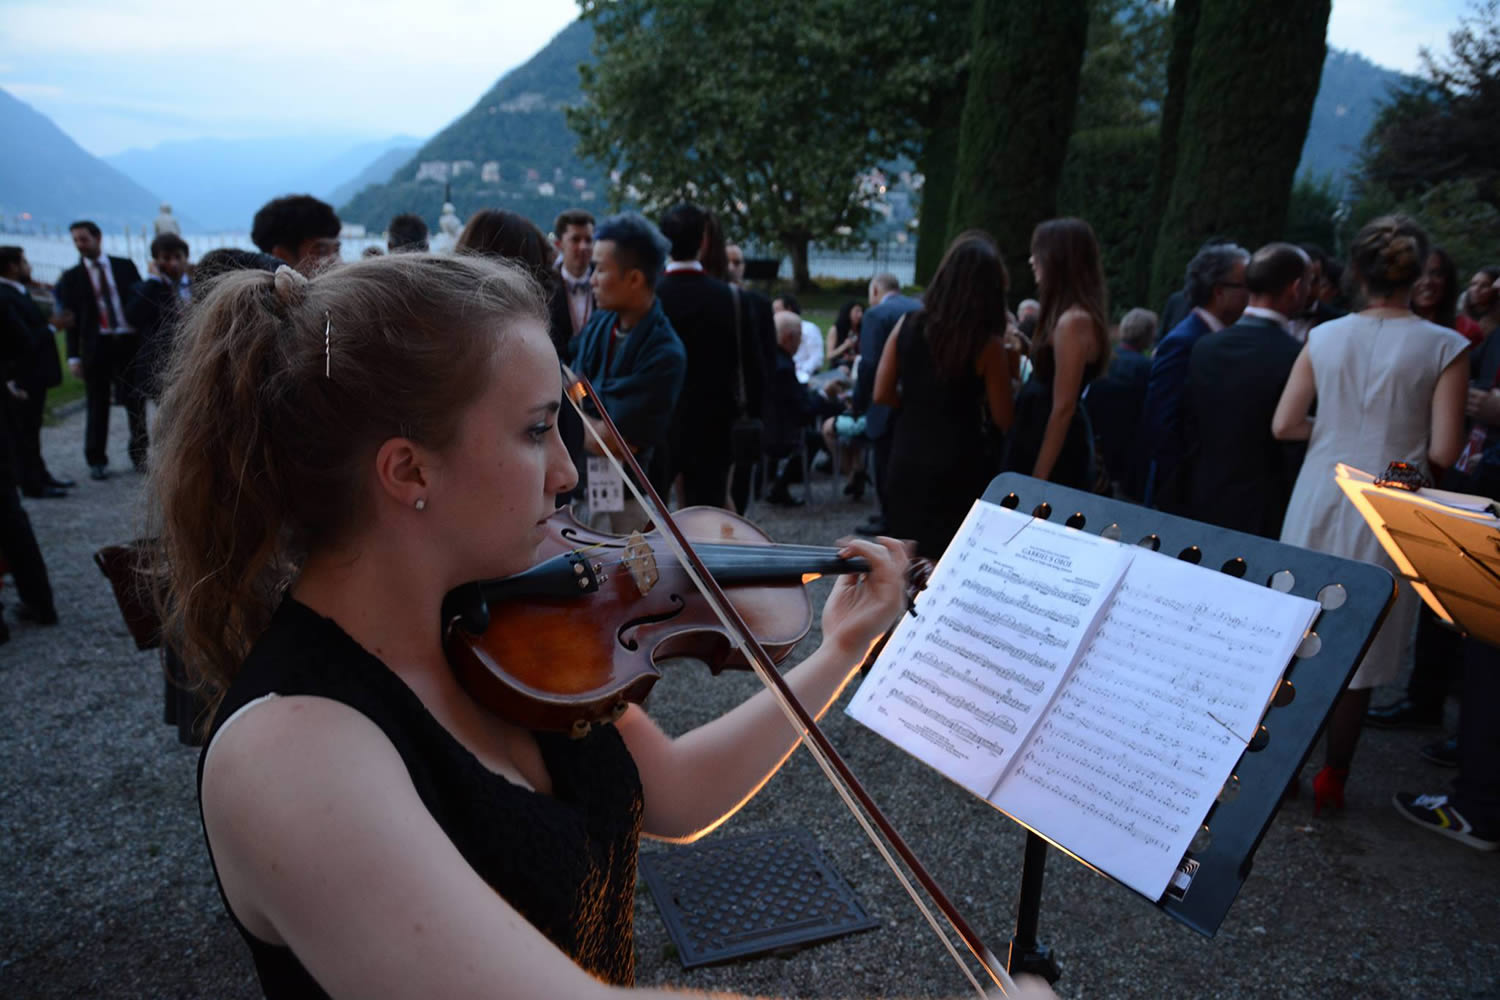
(938, 163)
(1254, 74)
(1017, 117)
(1184, 26)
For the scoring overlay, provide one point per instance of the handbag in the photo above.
(747, 433)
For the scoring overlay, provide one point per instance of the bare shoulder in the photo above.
(1076, 322)
(267, 766)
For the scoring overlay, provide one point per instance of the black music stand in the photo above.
(1355, 597)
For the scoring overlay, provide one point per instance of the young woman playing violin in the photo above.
(336, 455)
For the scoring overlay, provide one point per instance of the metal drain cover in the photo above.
(749, 895)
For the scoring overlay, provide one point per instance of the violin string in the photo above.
(992, 966)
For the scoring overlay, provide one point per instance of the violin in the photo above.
(544, 660)
(571, 642)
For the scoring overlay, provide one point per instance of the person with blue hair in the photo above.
(628, 349)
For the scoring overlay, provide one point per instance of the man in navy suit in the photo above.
(39, 370)
(1241, 477)
(1215, 289)
(724, 379)
(887, 305)
(102, 344)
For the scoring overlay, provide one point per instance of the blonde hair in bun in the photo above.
(1389, 253)
(291, 286)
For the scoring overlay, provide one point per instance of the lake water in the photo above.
(52, 254)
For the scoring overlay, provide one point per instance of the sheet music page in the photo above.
(1002, 619)
(1153, 719)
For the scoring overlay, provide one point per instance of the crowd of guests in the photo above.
(1264, 371)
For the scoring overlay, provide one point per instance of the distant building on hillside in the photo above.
(490, 172)
(461, 167)
(433, 170)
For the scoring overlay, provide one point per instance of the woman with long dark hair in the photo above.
(503, 235)
(947, 370)
(843, 336)
(1435, 295)
(1051, 438)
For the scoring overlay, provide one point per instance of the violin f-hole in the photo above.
(629, 642)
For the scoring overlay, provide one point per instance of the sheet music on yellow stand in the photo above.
(1446, 545)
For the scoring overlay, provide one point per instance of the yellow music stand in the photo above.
(1446, 545)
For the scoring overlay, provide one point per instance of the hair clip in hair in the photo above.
(327, 330)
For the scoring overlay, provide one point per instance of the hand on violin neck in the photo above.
(863, 606)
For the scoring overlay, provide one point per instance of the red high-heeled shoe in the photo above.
(1328, 788)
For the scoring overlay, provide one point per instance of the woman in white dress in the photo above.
(1389, 386)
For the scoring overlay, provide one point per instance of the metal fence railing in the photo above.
(52, 252)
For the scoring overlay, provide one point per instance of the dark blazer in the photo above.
(640, 385)
(75, 291)
(701, 309)
(1241, 476)
(790, 407)
(153, 309)
(561, 317)
(874, 329)
(1114, 403)
(1161, 419)
(34, 351)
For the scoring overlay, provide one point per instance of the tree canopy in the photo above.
(770, 122)
(1444, 127)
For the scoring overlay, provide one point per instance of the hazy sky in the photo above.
(116, 74)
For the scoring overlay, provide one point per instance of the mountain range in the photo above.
(219, 183)
(48, 179)
(512, 149)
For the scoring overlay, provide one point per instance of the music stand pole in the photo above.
(1027, 954)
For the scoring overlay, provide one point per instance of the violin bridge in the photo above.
(641, 562)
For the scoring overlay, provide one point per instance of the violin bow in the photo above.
(861, 806)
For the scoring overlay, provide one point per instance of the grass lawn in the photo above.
(71, 387)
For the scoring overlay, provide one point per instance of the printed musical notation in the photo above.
(1003, 616)
(1132, 733)
(1100, 694)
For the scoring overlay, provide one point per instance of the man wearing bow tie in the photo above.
(573, 301)
(102, 344)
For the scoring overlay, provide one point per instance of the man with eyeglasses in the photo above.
(1215, 290)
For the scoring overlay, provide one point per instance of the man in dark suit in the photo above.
(26, 394)
(1115, 400)
(572, 300)
(1241, 477)
(102, 344)
(724, 380)
(887, 305)
(1215, 291)
(154, 308)
(17, 542)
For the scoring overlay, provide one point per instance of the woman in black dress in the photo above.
(1051, 439)
(843, 335)
(947, 370)
(337, 454)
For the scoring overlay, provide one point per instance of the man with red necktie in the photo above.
(102, 344)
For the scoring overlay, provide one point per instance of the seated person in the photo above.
(791, 407)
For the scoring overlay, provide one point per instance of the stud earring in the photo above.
(421, 503)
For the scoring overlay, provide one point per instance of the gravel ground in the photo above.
(105, 888)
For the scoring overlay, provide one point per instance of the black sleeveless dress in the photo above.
(1075, 463)
(943, 450)
(566, 862)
